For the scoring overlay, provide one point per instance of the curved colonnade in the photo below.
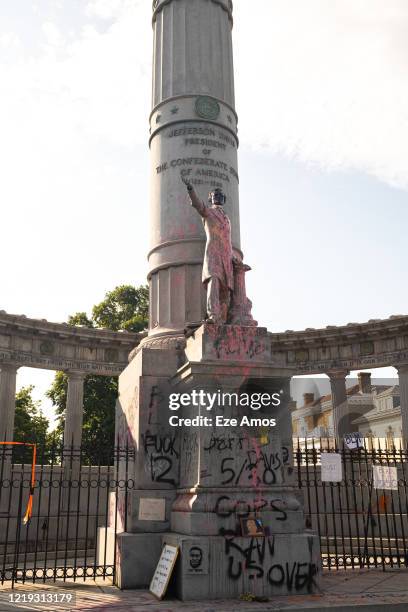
(78, 351)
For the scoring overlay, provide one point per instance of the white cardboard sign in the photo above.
(164, 569)
(385, 477)
(332, 470)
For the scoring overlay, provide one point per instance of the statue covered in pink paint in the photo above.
(220, 263)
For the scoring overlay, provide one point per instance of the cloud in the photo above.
(52, 34)
(320, 81)
(9, 40)
(73, 112)
(109, 9)
(325, 82)
(92, 89)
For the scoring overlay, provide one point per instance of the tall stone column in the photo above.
(403, 386)
(193, 133)
(8, 377)
(74, 410)
(341, 424)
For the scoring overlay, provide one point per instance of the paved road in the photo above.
(364, 591)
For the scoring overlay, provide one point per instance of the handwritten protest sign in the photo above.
(164, 569)
(331, 467)
(385, 477)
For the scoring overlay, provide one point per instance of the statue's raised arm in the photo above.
(200, 207)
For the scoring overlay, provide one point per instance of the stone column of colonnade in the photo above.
(8, 378)
(74, 409)
(341, 425)
(74, 413)
(403, 387)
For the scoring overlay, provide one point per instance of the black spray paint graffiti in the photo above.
(156, 401)
(252, 559)
(154, 443)
(159, 468)
(257, 467)
(190, 443)
(225, 507)
(229, 442)
(189, 450)
(297, 576)
(161, 452)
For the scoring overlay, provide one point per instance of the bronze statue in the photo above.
(218, 276)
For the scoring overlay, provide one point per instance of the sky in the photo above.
(322, 99)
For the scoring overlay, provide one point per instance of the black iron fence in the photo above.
(362, 517)
(72, 529)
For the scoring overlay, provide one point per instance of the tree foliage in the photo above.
(98, 430)
(82, 319)
(123, 308)
(30, 425)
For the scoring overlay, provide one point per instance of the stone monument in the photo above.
(205, 403)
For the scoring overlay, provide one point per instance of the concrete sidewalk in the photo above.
(365, 590)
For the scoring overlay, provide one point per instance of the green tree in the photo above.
(30, 425)
(126, 308)
(100, 393)
(82, 319)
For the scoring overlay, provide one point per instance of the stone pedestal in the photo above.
(214, 468)
(226, 567)
(137, 555)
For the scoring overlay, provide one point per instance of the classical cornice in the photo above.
(64, 331)
(58, 346)
(43, 344)
(333, 333)
(376, 343)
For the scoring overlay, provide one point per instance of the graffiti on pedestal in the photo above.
(255, 557)
(161, 454)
